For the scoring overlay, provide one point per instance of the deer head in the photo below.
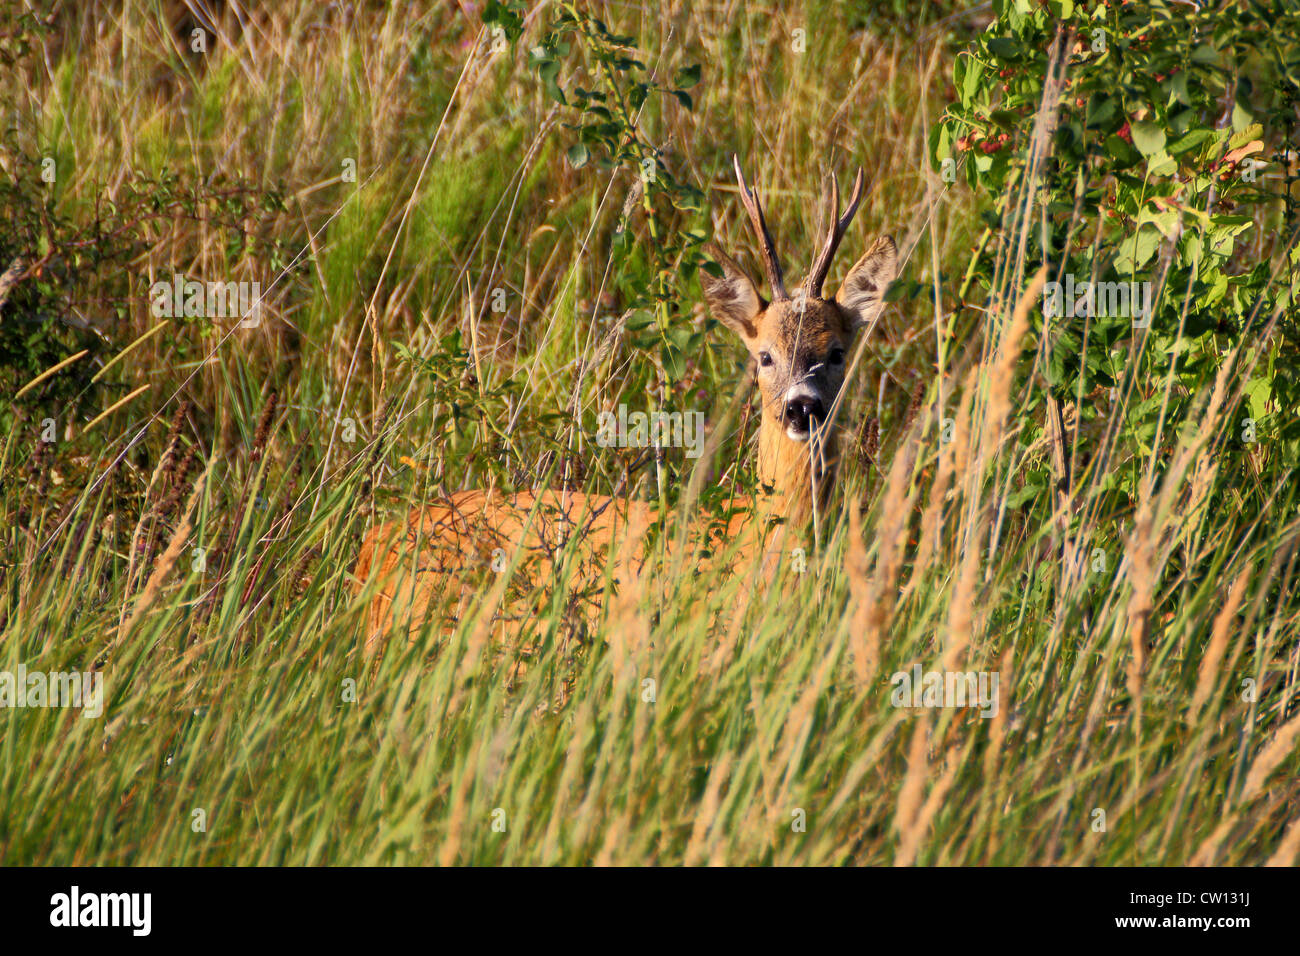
(799, 342)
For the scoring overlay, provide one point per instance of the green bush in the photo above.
(1168, 165)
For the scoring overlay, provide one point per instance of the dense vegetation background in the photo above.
(475, 227)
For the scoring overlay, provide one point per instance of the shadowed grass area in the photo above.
(449, 304)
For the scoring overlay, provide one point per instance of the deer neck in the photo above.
(797, 474)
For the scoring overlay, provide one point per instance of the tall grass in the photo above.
(1146, 680)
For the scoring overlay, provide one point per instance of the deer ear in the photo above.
(732, 297)
(862, 294)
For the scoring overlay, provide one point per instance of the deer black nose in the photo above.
(801, 411)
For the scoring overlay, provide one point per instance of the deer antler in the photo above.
(838, 225)
(755, 209)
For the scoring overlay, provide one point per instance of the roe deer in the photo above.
(799, 344)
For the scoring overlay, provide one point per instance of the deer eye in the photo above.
(765, 359)
(836, 357)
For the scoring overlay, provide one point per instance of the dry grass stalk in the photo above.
(1274, 752)
(913, 812)
(1138, 614)
(953, 457)
(864, 641)
(910, 846)
(960, 614)
(708, 811)
(179, 539)
(891, 535)
(1277, 750)
(1288, 851)
(993, 753)
(1208, 675)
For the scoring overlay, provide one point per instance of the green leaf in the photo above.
(687, 76)
(1121, 153)
(1241, 118)
(940, 144)
(1257, 390)
(1023, 495)
(1245, 134)
(1161, 164)
(1135, 251)
(1165, 220)
(970, 84)
(1148, 138)
(578, 155)
(1190, 140)
(673, 361)
(639, 319)
(1004, 48)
